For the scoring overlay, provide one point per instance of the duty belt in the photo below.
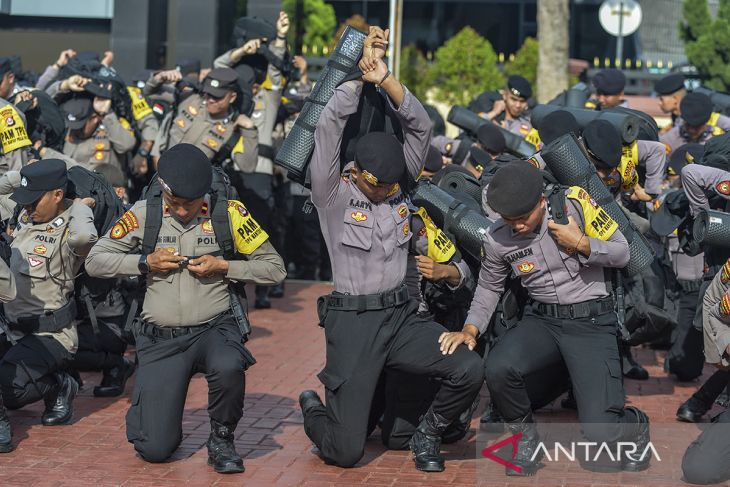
(49, 321)
(367, 302)
(579, 310)
(170, 332)
(690, 286)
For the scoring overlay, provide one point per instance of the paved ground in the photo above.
(289, 348)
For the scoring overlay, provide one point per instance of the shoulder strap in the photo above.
(219, 214)
(555, 196)
(153, 219)
(227, 148)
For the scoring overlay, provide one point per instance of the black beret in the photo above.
(381, 155)
(491, 138)
(717, 152)
(434, 161)
(696, 109)
(479, 158)
(609, 81)
(5, 66)
(185, 171)
(669, 84)
(515, 189)
(669, 216)
(557, 124)
(603, 142)
(519, 86)
(220, 81)
(38, 178)
(77, 110)
(188, 65)
(681, 156)
(86, 56)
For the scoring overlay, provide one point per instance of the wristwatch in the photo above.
(143, 267)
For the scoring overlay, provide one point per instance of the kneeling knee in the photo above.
(349, 457)
(154, 453)
(697, 470)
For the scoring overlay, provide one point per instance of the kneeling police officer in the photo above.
(571, 318)
(192, 320)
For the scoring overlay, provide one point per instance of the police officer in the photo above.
(670, 90)
(95, 133)
(209, 120)
(52, 237)
(189, 318)
(370, 322)
(706, 459)
(571, 320)
(699, 123)
(511, 111)
(14, 137)
(609, 85)
(258, 181)
(7, 293)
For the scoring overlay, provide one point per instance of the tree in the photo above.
(707, 41)
(553, 18)
(415, 71)
(525, 61)
(319, 21)
(464, 67)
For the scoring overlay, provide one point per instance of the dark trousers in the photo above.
(685, 358)
(102, 351)
(154, 420)
(713, 387)
(27, 369)
(707, 459)
(304, 243)
(359, 346)
(587, 347)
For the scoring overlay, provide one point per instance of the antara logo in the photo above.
(571, 451)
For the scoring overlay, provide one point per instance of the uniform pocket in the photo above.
(358, 231)
(134, 417)
(35, 266)
(331, 381)
(614, 399)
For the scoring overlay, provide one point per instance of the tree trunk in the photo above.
(553, 19)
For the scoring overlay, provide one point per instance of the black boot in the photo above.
(222, 454)
(262, 298)
(641, 457)
(492, 421)
(526, 447)
(277, 291)
(6, 432)
(114, 379)
(631, 368)
(692, 410)
(426, 443)
(309, 400)
(460, 426)
(59, 401)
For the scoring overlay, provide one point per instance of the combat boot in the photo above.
(6, 432)
(527, 446)
(426, 443)
(114, 379)
(277, 291)
(692, 410)
(309, 400)
(222, 454)
(460, 426)
(631, 368)
(491, 421)
(59, 401)
(639, 460)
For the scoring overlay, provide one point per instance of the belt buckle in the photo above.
(571, 312)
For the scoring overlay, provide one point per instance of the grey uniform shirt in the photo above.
(45, 260)
(548, 273)
(181, 298)
(191, 124)
(686, 268)
(677, 135)
(698, 180)
(109, 144)
(8, 288)
(367, 242)
(653, 156)
(520, 125)
(716, 318)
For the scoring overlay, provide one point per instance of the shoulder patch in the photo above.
(723, 188)
(127, 223)
(247, 233)
(725, 272)
(724, 307)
